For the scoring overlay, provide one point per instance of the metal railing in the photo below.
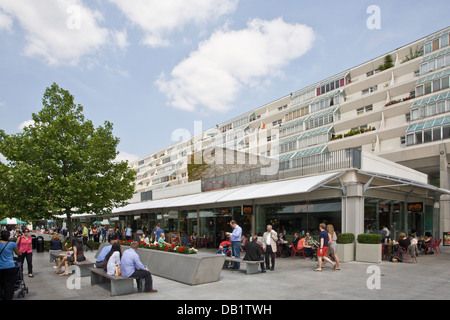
(306, 165)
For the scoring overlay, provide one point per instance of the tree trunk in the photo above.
(69, 224)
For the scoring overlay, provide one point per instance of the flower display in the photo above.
(166, 248)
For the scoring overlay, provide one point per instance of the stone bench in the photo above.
(54, 254)
(119, 285)
(252, 267)
(84, 267)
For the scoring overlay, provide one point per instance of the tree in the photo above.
(62, 164)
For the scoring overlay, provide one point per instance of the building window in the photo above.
(369, 90)
(364, 109)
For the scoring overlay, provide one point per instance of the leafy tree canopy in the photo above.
(62, 164)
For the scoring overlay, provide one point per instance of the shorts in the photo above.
(323, 252)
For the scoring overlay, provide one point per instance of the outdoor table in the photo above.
(388, 249)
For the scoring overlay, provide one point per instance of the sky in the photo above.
(152, 67)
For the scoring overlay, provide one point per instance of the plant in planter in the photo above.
(346, 247)
(368, 248)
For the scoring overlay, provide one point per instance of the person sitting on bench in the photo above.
(103, 253)
(131, 266)
(253, 252)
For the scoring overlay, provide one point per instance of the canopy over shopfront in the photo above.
(256, 191)
(12, 221)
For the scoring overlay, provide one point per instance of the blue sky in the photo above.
(153, 66)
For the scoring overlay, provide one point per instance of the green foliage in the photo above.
(388, 63)
(369, 238)
(417, 53)
(62, 164)
(344, 238)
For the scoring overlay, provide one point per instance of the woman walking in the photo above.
(332, 248)
(8, 273)
(24, 243)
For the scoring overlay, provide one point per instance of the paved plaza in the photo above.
(291, 280)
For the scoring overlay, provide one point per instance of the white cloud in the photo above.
(25, 124)
(214, 74)
(158, 19)
(58, 31)
(5, 21)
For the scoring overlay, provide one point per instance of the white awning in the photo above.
(255, 191)
(399, 182)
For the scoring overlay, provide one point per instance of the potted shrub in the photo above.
(346, 247)
(368, 248)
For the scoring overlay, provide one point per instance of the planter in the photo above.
(367, 252)
(346, 252)
(191, 269)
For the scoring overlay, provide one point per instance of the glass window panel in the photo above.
(427, 136)
(444, 40)
(436, 85)
(440, 62)
(428, 88)
(446, 132)
(410, 139)
(428, 48)
(415, 114)
(419, 91)
(424, 68)
(445, 83)
(440, 107)
(437, 134)
(431, 65)
(418, 137)
(431, 110)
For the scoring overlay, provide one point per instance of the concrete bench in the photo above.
(119, 285)
(84, 267)
(54, 254)
(251, 266)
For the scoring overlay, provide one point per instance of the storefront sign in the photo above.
(415, 207)
(446, 238)
(247, 209)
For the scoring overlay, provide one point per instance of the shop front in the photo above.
(299, 217)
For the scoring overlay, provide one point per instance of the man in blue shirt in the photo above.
(131, 266)
(235, 239)
(103, 253)
(157, 233)
(128, 233)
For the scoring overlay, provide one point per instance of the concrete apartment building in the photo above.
(373, 142)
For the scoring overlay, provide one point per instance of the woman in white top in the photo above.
(112, 259)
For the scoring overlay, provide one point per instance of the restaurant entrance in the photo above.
(214, 223)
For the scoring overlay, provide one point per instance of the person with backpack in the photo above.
(8, 272)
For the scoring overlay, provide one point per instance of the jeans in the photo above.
(236, 252)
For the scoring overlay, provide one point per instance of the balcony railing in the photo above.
(307, 165)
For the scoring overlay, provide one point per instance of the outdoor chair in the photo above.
(294, 251)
